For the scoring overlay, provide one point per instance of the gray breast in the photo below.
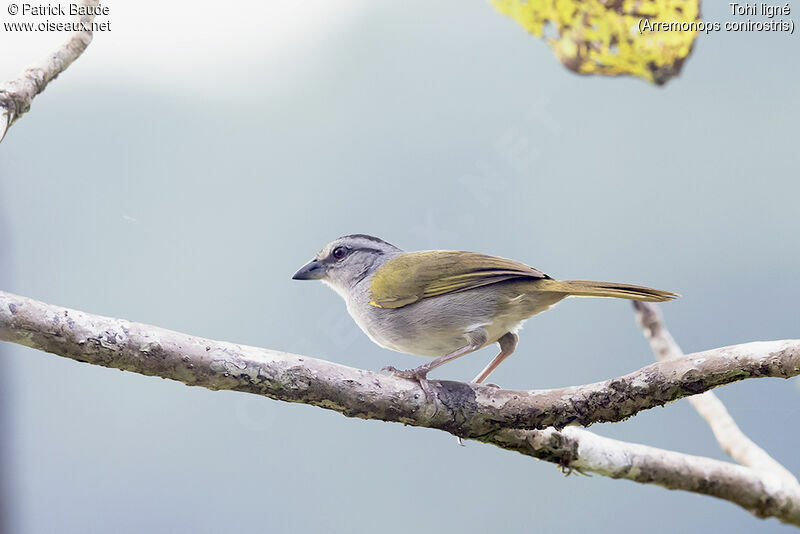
(433, 326)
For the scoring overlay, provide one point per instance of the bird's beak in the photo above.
(312, 270)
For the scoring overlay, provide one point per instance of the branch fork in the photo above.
(535, 423)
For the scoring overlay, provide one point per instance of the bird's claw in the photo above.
(419, 374)
(411, 374)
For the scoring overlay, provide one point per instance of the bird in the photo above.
(445, 303)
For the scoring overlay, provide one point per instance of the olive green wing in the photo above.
(414, 276)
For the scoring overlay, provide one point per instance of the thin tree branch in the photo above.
(17, 95)
(504, 418)
(728, 434)
(761, 493)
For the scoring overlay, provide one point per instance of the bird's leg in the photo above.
(507, 345)
(476, 340)
(508, 342)
(420, 374)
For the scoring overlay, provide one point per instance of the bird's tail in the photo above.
(588, 288)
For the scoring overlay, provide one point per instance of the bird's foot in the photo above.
(412, 374)
(419, 374)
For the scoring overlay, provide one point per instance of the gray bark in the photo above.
(17, 95)
(728, 434)
(515, 420)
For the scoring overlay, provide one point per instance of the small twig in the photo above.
(730, 437)
(17, 95)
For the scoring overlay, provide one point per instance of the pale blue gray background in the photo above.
(431, 125)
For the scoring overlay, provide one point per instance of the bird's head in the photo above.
(346, 261)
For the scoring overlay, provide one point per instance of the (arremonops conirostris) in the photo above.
(445, 303)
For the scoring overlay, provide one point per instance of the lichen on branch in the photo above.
(612, 37)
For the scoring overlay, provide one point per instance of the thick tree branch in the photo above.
(505, 418)
(467, 410)
(17, 95)
(728, 434)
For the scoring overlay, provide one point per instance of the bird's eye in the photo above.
(339, 253)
